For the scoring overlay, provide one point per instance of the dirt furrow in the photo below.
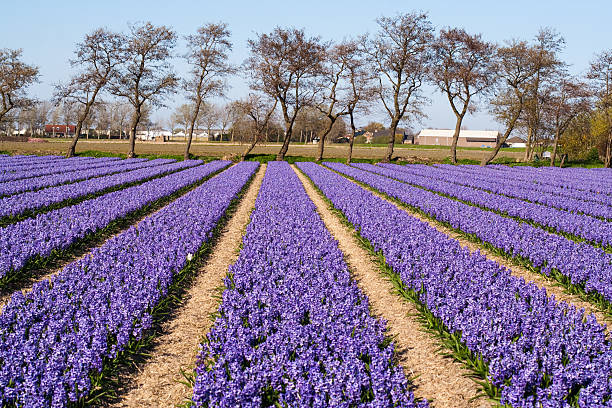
(158, 383)
(438, 378)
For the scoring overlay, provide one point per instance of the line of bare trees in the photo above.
(524, 84)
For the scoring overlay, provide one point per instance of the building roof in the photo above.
(480, 134)
(387, 132)
(515, 139)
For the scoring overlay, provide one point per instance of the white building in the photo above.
(152, 134)
(516, 142)
(467, 138)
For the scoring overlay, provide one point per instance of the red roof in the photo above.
(60, 128)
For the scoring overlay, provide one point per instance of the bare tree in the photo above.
(234, 114)
(259, 110)
(360, 89)
(119, 115)
(103, 118)
(284, 65)
(15, 77)
(35, 116)
(568, 98)
(337, 97)
(209, 115)
(225, 115)
(547, 65)
(462, 69)
(68, 111)
(183, 115)
(145, 76)
(517, 64)
(208, 54)
(600, 75)
(400, 55)
(96, 59)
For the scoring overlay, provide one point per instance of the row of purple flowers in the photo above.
(34, 183)
(483, 177)
(58, 229)
(17, 204)
(12, 166)
(59, 166)
(589, 228)
(584, 264)
(564, 180)
(54, 338)
(499, 184)
(18, 160)
(539, 352)
(293, 328)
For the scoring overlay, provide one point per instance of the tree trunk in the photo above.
(133, 126)
(455, 139)
(283, 151)
(608, 161)
(79, 125)
(188, 144)
(528, 144)
(351, 140)
(250, 147)
(191, 126)
(563, 159)
(75, 139)
(534, 137)
(553, 156)
(322, 139)
(391, 144)
(487, 159)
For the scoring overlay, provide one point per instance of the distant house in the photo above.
(515, 142)
(153, 134)
(60, 130)
(203, 134)
(382, 135)
(467, 138)
(20, 132)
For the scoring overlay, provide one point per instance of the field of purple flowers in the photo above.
(293, 327)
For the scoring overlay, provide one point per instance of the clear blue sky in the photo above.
(48, 30)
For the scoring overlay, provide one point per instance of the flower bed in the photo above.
(584, 265)
(293, 328)
(54, 339)
(38, 237)
(580, 225)
(34, 183)
(29, 201)
(60, 166)
(539, 352)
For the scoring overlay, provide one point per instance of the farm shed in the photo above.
(467, 138)
(516, 142)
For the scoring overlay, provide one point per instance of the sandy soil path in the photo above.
(439, 379)
(157, 383)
